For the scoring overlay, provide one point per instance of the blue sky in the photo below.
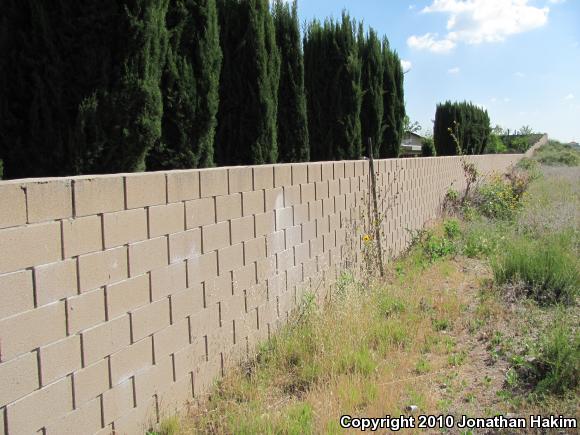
(520, 59)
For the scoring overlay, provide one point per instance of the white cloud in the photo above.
(519, 74)
(569, 97)
(406, 64)
(454, 70)
(429, 42)
(478, 21)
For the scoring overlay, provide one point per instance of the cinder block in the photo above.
(145, 189)
(82, 235)
(333, 188)
(148, 255)
(302, 252)
(98, 194)
(299, 173)
(91, 382)
(140, 419)
(314, 172)
(265, 223)
(16, 293)
(125, 296)
(118, 401)
(166, 219)
(322, 226)
(233, 307)
(344, 185)
(275, 242)
(282, 175)
(293, 236)
(215, 236)
(338, 170)
(307, 192)
(85, 310)
(182, 185)
(242, 229)
(213, 182)
(86, 419)
(49, 200)
(18, 378)
(253, 202)
(244, 278)
(240, 179)
(228, 207)
(149, 319)
(315, 209)
(217, 289)
(168, 280)
(130, 360)
(308, 231)
(199, 212)
(12, 205)
(265, 268)
(35, 411)
(186, 302)
(327, 171)
(171, 339)
(154, 379)
(316, 247)
(124, 227)
(263, 177)
(105, 339)
(101, 268)
(291, 195)
(60, 359)
(202, 322)
(294, 275)
(285, 260)
(349, 169)
(202, 268)
(37, 244)
(230, 258)
(284, 218)
(274, 198)
(27, 331)
(184, 245)
(254, 249)
(300, 214)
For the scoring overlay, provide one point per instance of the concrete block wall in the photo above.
(122, 297)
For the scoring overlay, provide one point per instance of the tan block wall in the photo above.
(124, 296)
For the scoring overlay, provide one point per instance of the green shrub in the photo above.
(500, 199)
(436, 247)
(495, 145)
(451, 227)
(557, 154)
(428, 147)
(479, 243)
(547, 268)
(557, 365)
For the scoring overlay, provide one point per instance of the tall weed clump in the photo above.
(547, 269)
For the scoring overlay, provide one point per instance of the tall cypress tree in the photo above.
(393, 103)
(372, 87)
(469, 123)
(293, 143)
(190, 87)
(84, 94)
(247, 113)
(334, 97)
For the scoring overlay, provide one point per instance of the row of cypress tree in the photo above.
(129, 85)
(469, 124)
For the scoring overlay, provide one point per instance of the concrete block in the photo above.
(300, 213)
(199, 212)
(145, 189)
(275, 242)
(49, 200)
(299, 173)
(263, 177)
(168, 280)
(171, 339)
(215, 236)
(254, 249)
(130, 360)
(307, 192)
(228, 207)
(182, 185)
(314, 172)
(253, 202)
(327, 171)
(37, 244)
(284, 218)
(124, 227)
(186, 302)
(282, 175)
(230, 258)
(128, 295)
(35, 411)
(338, 170)
(240, 179)
(12, 205)
(291, 195)
(16, 293)
(274, 198)
(149, 319)
(91, 381)
(166, 219)
(86, 419)
(31, 329)
(184, 245)
(82, 235)
(118, 401)
(60, 359)
(242, 229)
(293, 236)
(265, 223)
(105, 339)
(148, 255)
(18, 378)
(98, 194)
(202, 268)
(101, 268)
(85, 310)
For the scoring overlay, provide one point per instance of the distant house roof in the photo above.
(410, 134)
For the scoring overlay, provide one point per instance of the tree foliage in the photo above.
(247, 113)
(293, 145)
(468, 122)
(393, 103)
(190, 85)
